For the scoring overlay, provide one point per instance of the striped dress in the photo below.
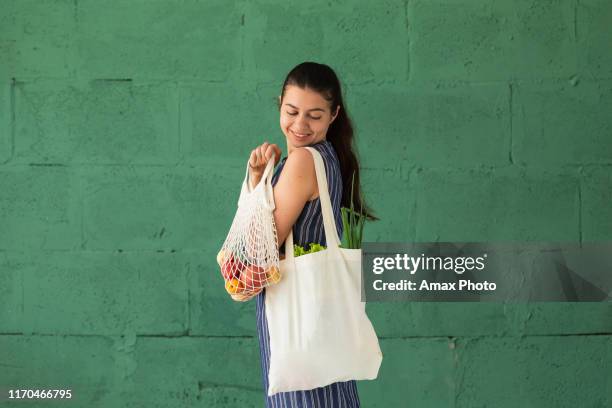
(308, 228)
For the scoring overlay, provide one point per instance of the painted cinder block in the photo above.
(212, 310)
(104, 293)
(434, 125)
(6, 119)
(156, 208)
(562, 123)
(39, 208)
(414, 371)
(596, 196)
(503, 204)
(426, 319)
(90, 366)
(483, 41)
(197, 371)
(594, 38)
(431, 319)
(38, 39)
(557, 318)
(539, 371)
(96, 122)
(366, 40)
(192, 40)
(390, 195)
(11, 291)
(221, 123)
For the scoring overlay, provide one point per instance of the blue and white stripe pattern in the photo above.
(309, 228)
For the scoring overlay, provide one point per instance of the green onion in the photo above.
(352, 223)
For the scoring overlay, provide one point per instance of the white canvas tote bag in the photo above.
(319, 330)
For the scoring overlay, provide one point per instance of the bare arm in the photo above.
(295, 186)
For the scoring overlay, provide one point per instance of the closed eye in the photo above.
(295, 113)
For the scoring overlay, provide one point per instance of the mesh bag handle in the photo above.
(266, 180)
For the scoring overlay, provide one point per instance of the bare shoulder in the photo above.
(301, 159)
(299, 171)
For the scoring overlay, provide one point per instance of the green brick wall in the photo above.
(125, 127)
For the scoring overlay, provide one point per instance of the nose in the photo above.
(302, 123)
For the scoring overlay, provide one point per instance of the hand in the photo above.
(260, 156)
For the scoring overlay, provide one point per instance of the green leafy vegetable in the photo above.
(312, 247)
(298, 250)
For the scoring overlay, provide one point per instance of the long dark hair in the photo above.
(322, 79)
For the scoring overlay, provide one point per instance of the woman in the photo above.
(312, 113)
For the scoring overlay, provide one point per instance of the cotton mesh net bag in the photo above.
(249, 258)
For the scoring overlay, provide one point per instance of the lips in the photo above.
(300, 135)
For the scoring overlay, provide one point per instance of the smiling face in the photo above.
(305, 117)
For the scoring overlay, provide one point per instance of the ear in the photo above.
(335, 114)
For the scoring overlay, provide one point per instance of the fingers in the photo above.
(253, 158)
(270, 152)
(277, 153)
(261, 155)
(257, 157)
(263, 152)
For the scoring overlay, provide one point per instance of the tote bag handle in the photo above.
(329, 223)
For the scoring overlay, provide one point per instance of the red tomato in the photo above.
(231, 268)
(253, 277)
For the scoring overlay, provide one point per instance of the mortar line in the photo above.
(179, 119)
(413, 175)
(477, 167)
(457, 379)
(82, 209)
(188, 302)
(576, 21)
(580, 211)
(13, 119)
(186, 335)
(243, 8)
(23, 298)
(408, 53)
(511, 120)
